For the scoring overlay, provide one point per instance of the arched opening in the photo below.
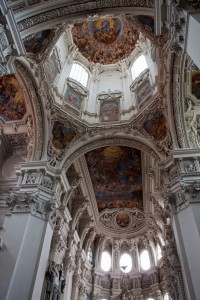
(105, 261)
(145, 260)
(125, 263)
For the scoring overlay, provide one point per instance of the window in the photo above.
(86, 297)
(90, 256)
(125, 263)
(105, 261)
(138, 66)
(166, 297)
(150, 299)
(145, 260)
(79, 74)
(159, 252)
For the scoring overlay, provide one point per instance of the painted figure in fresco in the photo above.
(109, 111)
(144, 90)
(62, 135)
(73, 98)
(196, 83)
(116, 174)
(156, 126)
(12, 105)
(37, 42)
(122, 219)
(105, 40)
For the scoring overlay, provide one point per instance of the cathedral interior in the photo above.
(99, 150)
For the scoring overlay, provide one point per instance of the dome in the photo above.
(105, 40)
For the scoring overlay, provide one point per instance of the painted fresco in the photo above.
(51, 67)
(109, 111)
(116, 175)
(62, 135)
(156, 126)
(147, 21)
(122, 219)
(144, 90)
(37, 42)
(12, 101)
(73, 98)
(71, 110)
(105, 40)
(196, 84)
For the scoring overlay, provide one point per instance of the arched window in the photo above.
(166, 297)
(145, 260)
(90, 256)
(86, 297)
(105, 261)
(125, 263)
(79, 73)
(159, 252)
(138, 66)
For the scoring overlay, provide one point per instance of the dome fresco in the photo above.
(105, 40)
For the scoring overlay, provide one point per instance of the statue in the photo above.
(55, 283)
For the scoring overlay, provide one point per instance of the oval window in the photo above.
(125, 263)
(105, 261)
(145, 260)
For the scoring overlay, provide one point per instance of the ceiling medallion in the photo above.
(122, 219)
(119, 221)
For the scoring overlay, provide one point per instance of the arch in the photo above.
(59, 12)
(37, 109)
(94, 143)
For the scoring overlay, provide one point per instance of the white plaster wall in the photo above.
(110, 80)
(62, 47)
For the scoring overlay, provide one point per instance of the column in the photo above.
(28, 230)
(184, 198)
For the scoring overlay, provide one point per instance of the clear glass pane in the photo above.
(79, 74)
(105, 261)
(138, 66)
(125, 263)
(145, 260)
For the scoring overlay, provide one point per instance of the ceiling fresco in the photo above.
(12, 101)
(62, 135)
(147, 21)
(116, 175)
(37, 42)
(156, 126)
(105, 40)
(196, 84)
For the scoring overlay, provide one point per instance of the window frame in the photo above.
(135, 77)
(141, 264)
(79, 76)
(126, 253)
(106, 251)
